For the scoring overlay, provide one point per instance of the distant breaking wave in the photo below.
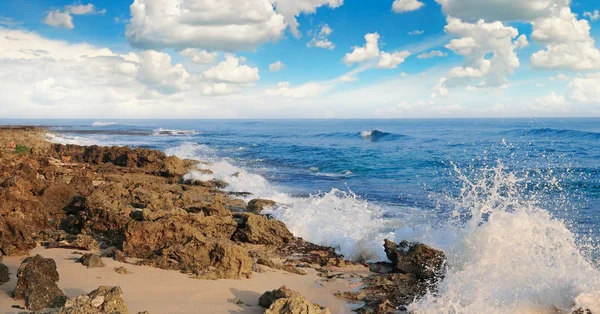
(169, 132)
(101, 124)
(370, 135)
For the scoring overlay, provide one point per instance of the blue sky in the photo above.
(128, 59)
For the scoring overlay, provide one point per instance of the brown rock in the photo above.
(91, 260)
(100, 301)
(36, 284)
(267, 298)
(122, 270)
(255, 206)
(419, 259)
(86, 242)
(258, 229)
(286, 301)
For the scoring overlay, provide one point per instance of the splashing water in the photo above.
(506, 254)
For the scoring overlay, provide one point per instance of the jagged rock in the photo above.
(419, 259)
(86, 242)
(4, 273)
(256, 206)
(100, 301)
(286, 301)
(258, 229)
(91, 260)
(36, 284)
(269, 297)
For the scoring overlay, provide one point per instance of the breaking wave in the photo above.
(101, 124)
(169, 132)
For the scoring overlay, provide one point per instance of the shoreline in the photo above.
(180, 293)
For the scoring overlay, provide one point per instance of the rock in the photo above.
(419, 259)
(4, 274)
(36, 284)
(91, 260)
(256, 206)
(286, 301)
(86, 242)
(102, 300)
(267, 298)
(122, 270)
(258, 229)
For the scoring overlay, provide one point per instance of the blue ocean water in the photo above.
(514, 200)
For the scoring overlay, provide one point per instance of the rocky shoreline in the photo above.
(135, 206)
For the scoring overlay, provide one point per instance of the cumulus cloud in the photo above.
(401, 6)
(276, 66)
(392, 60)
(158, 73)
(521, 42)
(64, 19)
(232, 71)
(488, 53)
(500, 10)
(199, 56)
(432, 54)
(321, 38)
(215, 25)
(367, 52)
(308, 90)
(568, 42)
(551, 103)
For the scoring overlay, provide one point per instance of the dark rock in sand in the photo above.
(36, 284)
(104, 300)
(4, 273)
(256, 206)
(91, 260)
(419, 259)
(286, 301)
(258, 229)
(122, 270)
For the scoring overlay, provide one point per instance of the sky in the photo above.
(314, 59)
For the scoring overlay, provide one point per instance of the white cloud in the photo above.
(8, 22)
(290, 9)
(417, 32)
(448, 110)
(64, 19)
(432, 54)
(521, 42)
(488, 54)
(220, 89)
(348, 78)
(593, 16)
(231, 71)
(199, 56)
(392, 60)
(367, 52)
(321, 39)
(308, 90)
(276, 66)
(568, 41)
(401, 6)
(158, 73)
(585, 90)
(500, 10)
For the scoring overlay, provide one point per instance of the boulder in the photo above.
(4, 273)
(256, 206)
(267, 298)
(100, 301)
(36, 284)
(419, 259)
(91, 260)
(286, 301)
(258, 229)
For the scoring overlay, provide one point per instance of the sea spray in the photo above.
(506, 254)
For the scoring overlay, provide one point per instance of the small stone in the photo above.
(97, 301)
(122, 270)
(91, 260)
(4, 274)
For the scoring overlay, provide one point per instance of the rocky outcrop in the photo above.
(415, 269)
(286, 301)
(104, 300)
(258, 229)
(256, 206)
(36, 284)
(418, 259)
(4, 273)
(91, 260)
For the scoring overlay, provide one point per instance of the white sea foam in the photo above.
(505, 253)
(366, 134)
(170, 132)
(74, 140)
(101, 124)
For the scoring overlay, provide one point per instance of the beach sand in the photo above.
(164, 291)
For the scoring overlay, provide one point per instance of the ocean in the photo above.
(512, 202)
